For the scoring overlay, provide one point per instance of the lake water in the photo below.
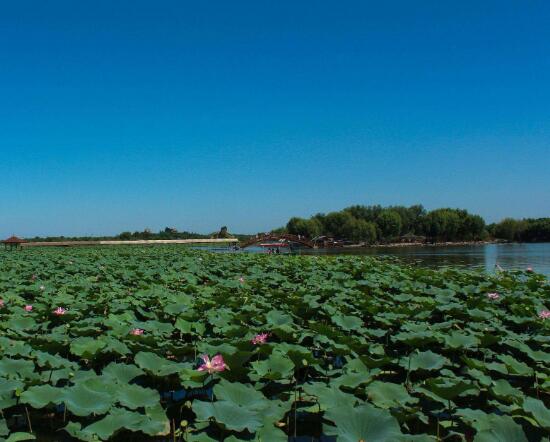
(484, 256)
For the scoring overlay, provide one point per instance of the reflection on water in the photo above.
(485, 256)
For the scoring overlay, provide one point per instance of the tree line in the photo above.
(372, 225)
(166, 233)
(522, 230)
(377, 224)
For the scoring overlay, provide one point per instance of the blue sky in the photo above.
(131, 114)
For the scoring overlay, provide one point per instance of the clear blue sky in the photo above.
(121, 115)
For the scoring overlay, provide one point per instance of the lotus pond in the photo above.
(166, 343)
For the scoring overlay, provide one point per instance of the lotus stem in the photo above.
(28, 419)
(295, 407)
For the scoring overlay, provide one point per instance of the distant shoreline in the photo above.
(424, 244)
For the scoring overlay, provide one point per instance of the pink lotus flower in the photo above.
(59, 311)
(33, 278)
(241, 280)
(529, 269)
(1, 303)
(493, 296)
(213, 365)
(28, 308)
(260, 338)
(137, 332)
(544, 314)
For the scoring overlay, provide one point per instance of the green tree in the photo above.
(359, 230)
(367, 213)
(508, 229)
(532, 230)
(472, 228)
(442, 225)
(389, 223)
(334, 223)
(306, 227)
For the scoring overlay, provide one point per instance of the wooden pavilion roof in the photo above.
(13, 240)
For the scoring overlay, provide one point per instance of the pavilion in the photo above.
(13, 242)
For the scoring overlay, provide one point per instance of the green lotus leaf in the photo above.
(387, 395)
(4, 430)
(154, 422)
(271, 417)
(10, 347)
(200, 437)
(54, 376)
(7, 402)
(17, 368)
(353, 380)
(8, 386)
(275, 367)
(232, 416)
(179, 305)
(134, 396)
(296, 353)
(17, 437)
(86, 347)
(493, 428)
(116, 420)
(329, 397)
(276, 318)
(40, 396)
(535, 355)
(502, 390)
(471, 416)
(426, 360)
(347, 322)
(75, 430)
(514, 366)
(416, 338)
(113, 345)
(480, 377)
(156, 365)
(449, 389)
(184, 326)
(539, 411)
(83, 401)
(457, 340)
(357, 366)
(122, 373)
(240, 394)
(44, 359)
(21, 323)
(363, 423)
(190, 377)
(268, 432)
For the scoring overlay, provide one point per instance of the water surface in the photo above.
(482, 256)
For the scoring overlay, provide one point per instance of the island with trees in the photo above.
(375, 224)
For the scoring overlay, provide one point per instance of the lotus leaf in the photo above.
(83, 401)
(363, 423)
(233, 417)
(39, 396)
